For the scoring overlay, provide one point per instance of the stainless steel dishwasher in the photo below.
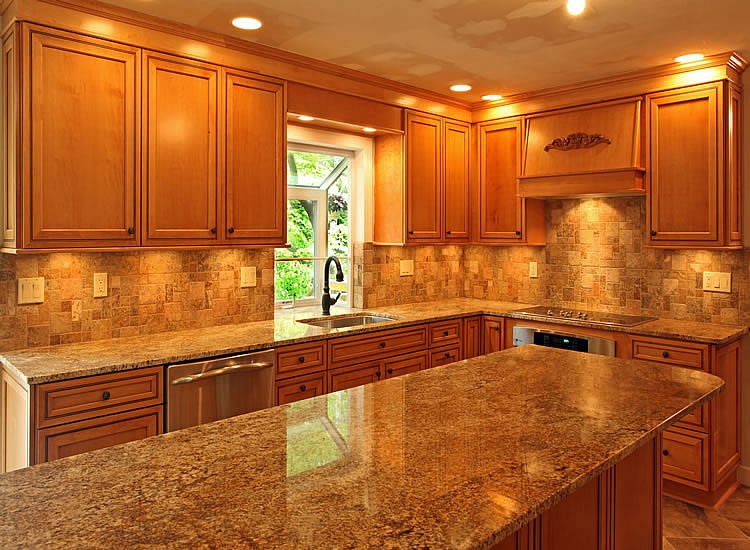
(205, 391)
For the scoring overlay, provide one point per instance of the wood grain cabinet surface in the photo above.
(472, 337)
(492, 327)
(424, 174)
(300, 387)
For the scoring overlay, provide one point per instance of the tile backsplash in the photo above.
(149, 292)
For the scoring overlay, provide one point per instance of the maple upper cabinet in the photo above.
(255, 156)
(180, 150)
(503, 216)
(422, 182)
(694, 165)
(80, 104)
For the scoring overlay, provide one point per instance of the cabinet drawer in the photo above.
(348, 351)
(98, 433)
(401, 365)
(445, 356)
(345, 378)
(302, 387)
(302, 359)
(696, 420)
(681, 355)
(445, 333)
(686, 457)
(82, 398)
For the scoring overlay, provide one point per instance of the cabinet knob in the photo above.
(106, 395)
(411, 232)
(447, 355)
(518, 233)
(378, 374)
(301, 359)
(390, 371)
(230, 230)
(382, 344)
(653, 233)
(131, 230)
(445, 333)
(302, 387)
(665, 452)
(665, 354)
(495, 328)
(449, 232)
(213, 230)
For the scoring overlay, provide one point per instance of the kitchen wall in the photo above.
(149, 292)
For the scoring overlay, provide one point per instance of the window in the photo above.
(318, 194)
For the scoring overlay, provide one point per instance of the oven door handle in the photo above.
(219, 372)
(571, 334)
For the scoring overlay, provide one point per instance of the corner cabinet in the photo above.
(422, 182)
(694, 166)
(503, 216)
(107, 146)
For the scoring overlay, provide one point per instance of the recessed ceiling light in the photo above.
(369, 130)
(460, 87)
(492, 97)
(246, 23)
(689, 58)
(576, 7)
(306, 118)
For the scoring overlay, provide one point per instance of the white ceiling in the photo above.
(501, 46)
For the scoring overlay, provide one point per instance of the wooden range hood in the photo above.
(586, 151)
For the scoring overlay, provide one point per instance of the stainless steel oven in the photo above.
(205, 391)
(563, 340)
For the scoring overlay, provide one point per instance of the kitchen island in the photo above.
(495, 451)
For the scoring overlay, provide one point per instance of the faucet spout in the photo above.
(327, 300)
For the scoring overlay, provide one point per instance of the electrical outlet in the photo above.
(533, 270)
(248, 277)
(717, 282)
(100, 285)
(406, 268)
(31, 291)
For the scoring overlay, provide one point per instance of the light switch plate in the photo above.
(248, 277)
(407, 268)
(717, 282)
(101, 288)
(31, 291)
(533, 273)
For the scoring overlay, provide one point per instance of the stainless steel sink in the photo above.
(343, 321)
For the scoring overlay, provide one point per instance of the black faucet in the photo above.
(327, 300)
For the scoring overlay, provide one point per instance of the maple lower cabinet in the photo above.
(255, 158)
(694, 167)
(472, 338)
(80, 128)
(493, 334)
(424, 171)
(344, 378)
(180, 148)
(503, 217)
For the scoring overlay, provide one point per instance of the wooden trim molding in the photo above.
(578, 140)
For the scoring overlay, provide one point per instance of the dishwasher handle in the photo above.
(218, 372)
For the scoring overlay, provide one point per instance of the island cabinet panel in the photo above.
(457, 142)
(423, 177)
(81, 174)
(299, 388)
(98, 433)
(180, 147)
(492, 327)
(407, 364)
(694, 168)
(726, 407)
(472, 339)
(574, 523)
(255, 157)
(344, 378)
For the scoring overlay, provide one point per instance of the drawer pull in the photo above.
(665, 354)
(446, 333)
(301, 359)
(653, 233)
(447, 355)
(131, 230)
(382, 344)
(105, 395)
(302, 388)
(213, 231)
(378, 374)
(230, 230)
(665, 452)
(390, 371)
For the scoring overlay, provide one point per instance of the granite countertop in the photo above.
(459, 456)
(40, 365)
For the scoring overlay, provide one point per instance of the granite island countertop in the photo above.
(48, 364)
(459, 456)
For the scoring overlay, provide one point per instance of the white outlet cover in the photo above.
(406, 268)
(717, 282)
(248, 277)
(101, 286)
(533, 270)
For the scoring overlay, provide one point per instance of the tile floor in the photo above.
(688, 527)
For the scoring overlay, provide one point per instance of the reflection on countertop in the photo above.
(453, 457)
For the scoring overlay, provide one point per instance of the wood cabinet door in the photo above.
(255, 156)
(98, 433)
(493, 335)
(726, 408)
(9, 138)
(405, 364)
(423, 178)
(472, 337)
(351, 377)
(685, 197)
(181, 122)
(457, 145)
(81, 132)
(302, 387)
(500, 207)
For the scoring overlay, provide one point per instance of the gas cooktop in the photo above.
(554, 313)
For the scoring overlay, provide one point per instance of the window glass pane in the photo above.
(298, 278)
(338, 230)
(310, 169)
